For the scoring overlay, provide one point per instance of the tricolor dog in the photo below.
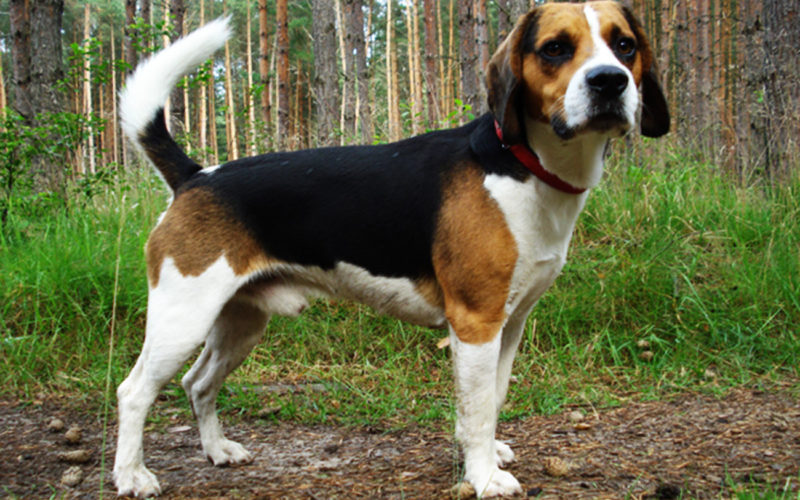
(462, 229)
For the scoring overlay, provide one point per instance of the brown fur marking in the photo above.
(474, 255)
(195, 232)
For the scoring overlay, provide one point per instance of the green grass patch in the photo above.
(678, 280)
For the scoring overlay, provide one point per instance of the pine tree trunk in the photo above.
(114, 125)
(251, 109)
(263, 67)
(36, 61)
(177, 9)
(326, 89)
(284, 117)
(468, 55)
(130, 20)
(431, 55)
(391, 77)
(87, 95)
(230, 112)
(356, 30)
(482, 41)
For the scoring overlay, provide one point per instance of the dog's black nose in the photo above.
(608, 81)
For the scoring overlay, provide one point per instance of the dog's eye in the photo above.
(556, 50)
(625, 47)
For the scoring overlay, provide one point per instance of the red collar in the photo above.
(529, 159)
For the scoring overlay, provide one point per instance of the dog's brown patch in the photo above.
(474, 255)
(195, 232)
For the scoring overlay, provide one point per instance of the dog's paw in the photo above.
(495, 483)
(136, 482)
(225, 452)
(503, 454)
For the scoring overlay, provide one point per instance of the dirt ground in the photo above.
(691, 447)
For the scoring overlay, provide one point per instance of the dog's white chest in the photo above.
(541, 221)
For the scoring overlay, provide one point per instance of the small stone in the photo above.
(556, 467)
(73, 435)
(462, 490)
(643, 344)
(76, 456)
(709, 373)
(582, 426)
(575, 416)
(55, 425)
(269, 411)
(72, 476)
(646, 355)
(179, 428)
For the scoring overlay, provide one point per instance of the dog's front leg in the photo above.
(476, 370)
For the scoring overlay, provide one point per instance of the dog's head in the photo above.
(578, 67)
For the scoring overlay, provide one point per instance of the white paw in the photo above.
(496, 483)
(503, 454)
(136, 482)
(226, 452)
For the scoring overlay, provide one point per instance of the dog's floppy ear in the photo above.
(504, 78)
(655, 111)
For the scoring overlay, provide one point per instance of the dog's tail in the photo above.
(141, 102)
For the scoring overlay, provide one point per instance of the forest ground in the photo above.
(690, 446)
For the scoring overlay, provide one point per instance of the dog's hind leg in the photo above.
(181, 311)
(236, 331)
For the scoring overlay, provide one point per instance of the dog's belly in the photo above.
(286, 292)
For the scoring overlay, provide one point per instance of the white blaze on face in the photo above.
(578, 99)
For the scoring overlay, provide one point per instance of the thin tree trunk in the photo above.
(364, 121)
(87, 92)
(284, 117)
(326, 90)
(147, 17)
(130, 20)
(468, 54)
(202, 108)
(164, 44)
(251, 111)
(482, 41)
(431, 52)
(230, 112)
(450, 83)
(113, 126)
(177, 10)
(391, 77)
(263, 66)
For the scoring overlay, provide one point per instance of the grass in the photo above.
(672, 259)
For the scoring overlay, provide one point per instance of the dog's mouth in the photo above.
(603, 118)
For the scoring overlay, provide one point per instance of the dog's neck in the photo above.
(578, 161)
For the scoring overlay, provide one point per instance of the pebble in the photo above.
(73, 435)
(55, 425)
(646, 355)
(75, 456)
(575, 416)
(643, 344)
(72, 476)
(556, 467)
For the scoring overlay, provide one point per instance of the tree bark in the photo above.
(38, 68)
(326, 88)
(468, 55)
(130, 20)
(177, 10)
(284, 117)
(431, 56)
(263, 66)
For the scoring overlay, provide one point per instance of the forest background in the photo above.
(685, 266)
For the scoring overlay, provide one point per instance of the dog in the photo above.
(461, 229)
